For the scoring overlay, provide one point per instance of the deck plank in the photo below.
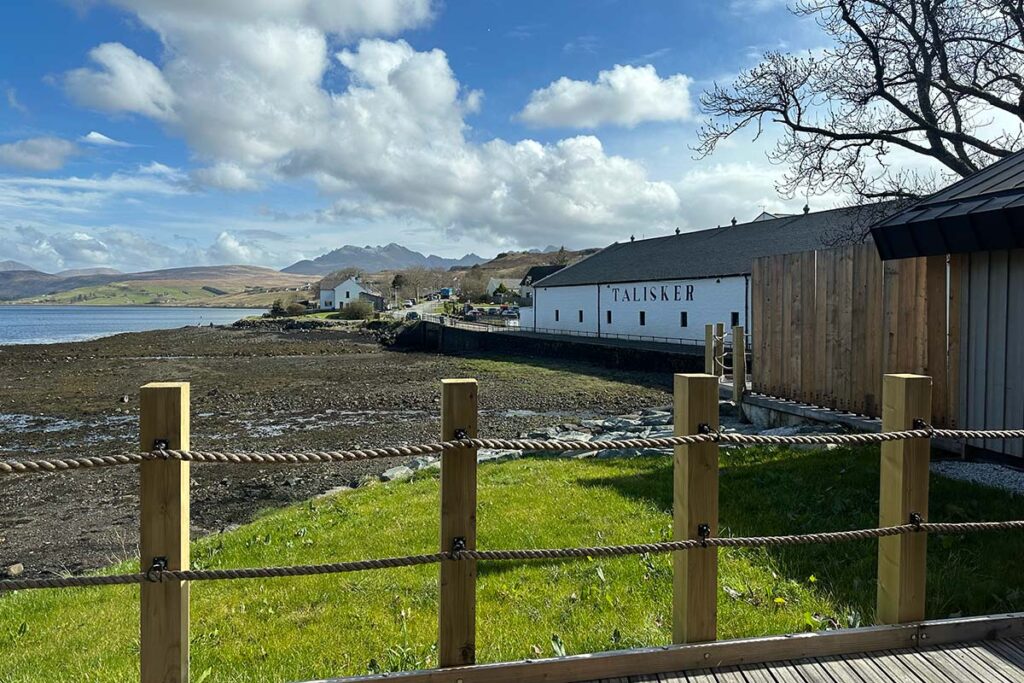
(839, 674)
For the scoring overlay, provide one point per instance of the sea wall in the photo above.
(431, 336)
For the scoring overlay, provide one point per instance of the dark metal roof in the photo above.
(982, 212)
(538, 273)
(717, 252)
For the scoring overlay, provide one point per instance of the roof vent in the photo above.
(677, 231)
(632, 237)
(807, 208)
(734, 221)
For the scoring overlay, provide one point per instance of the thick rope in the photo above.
(550, 445)
(508, 555)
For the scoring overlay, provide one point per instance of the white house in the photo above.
(344, 293)
(670, 287)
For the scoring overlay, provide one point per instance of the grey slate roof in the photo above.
(982, 212)
(538, 273)
(717, 252)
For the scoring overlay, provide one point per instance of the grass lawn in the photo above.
(304, 628)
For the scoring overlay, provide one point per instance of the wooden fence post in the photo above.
(458, 524)
(694, 505)
(164, 533)
(719, 350)
(739, 364)
(709, 349)
(904, 491)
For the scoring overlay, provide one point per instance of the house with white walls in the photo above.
(343, 293)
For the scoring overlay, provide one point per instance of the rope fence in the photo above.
(156, 574)
(548, 445)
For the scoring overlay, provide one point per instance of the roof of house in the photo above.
(982, 212)
(717, 252)
(538, 273)
(329, 282)
(509, 282)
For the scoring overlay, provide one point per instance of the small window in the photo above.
(581, 316)
(643, 318)
(348, 294)
(556, 315)
(609, 317)
(735, 318)
(683, 322)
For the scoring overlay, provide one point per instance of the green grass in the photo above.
(127, 294)
(303, 628)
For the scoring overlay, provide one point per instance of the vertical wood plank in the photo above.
(820, 327)
(709, 349)
(695, 502)
(936, 334)
(457, 633)
(859, 331)
(164, 533)
(739, 364)
(903, 490)
(788, 359)
(719, 349)
(956, 275)
(891, 293)
(875, 341)
(756, 330)
(1013, 413)
(809, 347)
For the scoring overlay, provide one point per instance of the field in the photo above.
(275, 630)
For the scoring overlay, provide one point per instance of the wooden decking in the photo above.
(990, 661)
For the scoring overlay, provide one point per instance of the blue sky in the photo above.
(149, 133)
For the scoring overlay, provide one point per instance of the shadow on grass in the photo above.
(768, 491)
(653, 380)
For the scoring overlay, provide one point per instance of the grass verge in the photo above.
(303, 628)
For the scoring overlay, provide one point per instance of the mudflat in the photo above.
(252, 389)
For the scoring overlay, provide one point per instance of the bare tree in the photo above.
(939, 78)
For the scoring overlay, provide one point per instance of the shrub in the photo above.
(295, 308)
(357, 310)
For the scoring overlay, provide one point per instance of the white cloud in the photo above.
(13, 102)
(37, 154)
(125, 82)
(96, 138)
(225, 176)
(624, 96)
(245, 87)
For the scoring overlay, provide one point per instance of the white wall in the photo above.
(706, 300)
(326, 299)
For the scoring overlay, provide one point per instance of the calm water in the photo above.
(50, 324)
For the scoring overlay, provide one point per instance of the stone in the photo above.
(421, 462)
(573, 436)
(656, 419)
(781, 431)
(496, 455)
(16, 569)
(727, 409)
(814, 447)
(396, 473)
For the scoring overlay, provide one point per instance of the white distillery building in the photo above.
(670, 287)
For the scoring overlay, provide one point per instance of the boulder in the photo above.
(396, 473)
(16, 569)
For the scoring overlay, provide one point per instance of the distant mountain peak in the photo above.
(6, 266)
(373, 259)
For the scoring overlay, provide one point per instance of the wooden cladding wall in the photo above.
(826, 325)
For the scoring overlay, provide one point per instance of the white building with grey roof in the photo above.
(668, 288)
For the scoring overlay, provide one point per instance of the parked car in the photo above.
(473, 314)
(492, 311)
(412, 315)
(509, 313)
(409, 303)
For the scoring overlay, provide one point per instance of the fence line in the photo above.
(164, 564)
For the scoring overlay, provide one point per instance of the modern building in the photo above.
(979, 222)
(670, 287)
(343, 293)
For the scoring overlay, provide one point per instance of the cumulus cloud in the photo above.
(96, 138)
(225, 176)
(126, 249)
(124, 82)
(13, 102)
(37, 154)
(622, 96)
(244, 84)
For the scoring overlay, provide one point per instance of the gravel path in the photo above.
(989, 474)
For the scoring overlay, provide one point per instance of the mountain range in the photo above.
(375, 259)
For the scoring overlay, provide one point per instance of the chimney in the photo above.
(807, 209)
(677, 231)
(734, 221)
(632, 237)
